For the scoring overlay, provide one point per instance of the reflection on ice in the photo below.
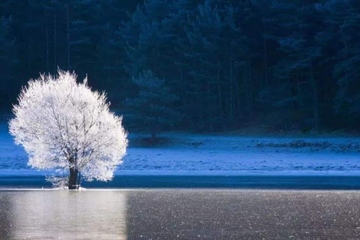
(180, 214)
(66, 215)
(5, 217)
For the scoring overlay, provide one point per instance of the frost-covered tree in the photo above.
(64, 125)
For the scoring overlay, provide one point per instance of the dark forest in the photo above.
(207, 65)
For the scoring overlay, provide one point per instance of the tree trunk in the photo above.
(153, 137)
(55, 43)
(47, 41)
(231, 87)
(315, 98)
(73, 178)
(266, 62)
(247, 75)
(68, 37)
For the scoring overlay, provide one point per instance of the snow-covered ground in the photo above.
(191, 154)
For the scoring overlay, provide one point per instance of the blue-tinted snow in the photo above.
(190, 154)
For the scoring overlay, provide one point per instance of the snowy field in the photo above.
(191, 154)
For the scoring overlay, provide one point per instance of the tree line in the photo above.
(216, 65)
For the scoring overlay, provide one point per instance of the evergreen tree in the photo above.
(291, 64)
(346, 16)
(215, 48)
(146, 42)
(151, 110)
(297, 69)
(8, 63)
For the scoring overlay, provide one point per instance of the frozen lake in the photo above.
(306, 182)
(179, 214)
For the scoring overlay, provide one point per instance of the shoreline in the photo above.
(192, 156)
(263, 182)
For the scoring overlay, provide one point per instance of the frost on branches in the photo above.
(64, 125)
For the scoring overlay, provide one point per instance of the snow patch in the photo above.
(191, 154)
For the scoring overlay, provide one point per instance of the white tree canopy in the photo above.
(62, 123)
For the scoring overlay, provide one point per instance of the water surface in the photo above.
(179, 214)
(321, 182)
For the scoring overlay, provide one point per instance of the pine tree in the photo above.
(151, 110)
(8, 63)
(346, 16)
(297, 68)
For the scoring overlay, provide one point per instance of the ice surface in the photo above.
(179, 214)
